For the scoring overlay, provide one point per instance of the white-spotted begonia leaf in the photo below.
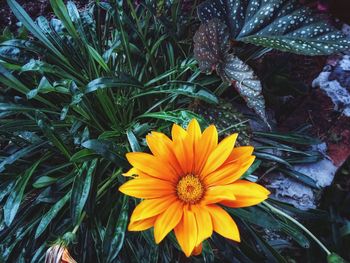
(280, 24)
(211, 50)
(245, 81)
(211, 44)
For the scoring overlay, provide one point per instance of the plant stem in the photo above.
(109, 181)
(79, 222)
(277, 211)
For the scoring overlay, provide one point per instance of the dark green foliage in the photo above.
(74, 99)
(211, 49)
(278, 24)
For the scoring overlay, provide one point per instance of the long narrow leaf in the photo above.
(22, 16)
(14, 200)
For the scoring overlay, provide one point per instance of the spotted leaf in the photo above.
(279, 24)
(211, 50)
(245, 81)
(211, 44)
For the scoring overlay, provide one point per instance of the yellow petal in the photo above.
(186, 232)
(179, 135)
(216, 194)
(240, 152)
(194, 130)
(204, 224)
(247, 194)
(142, 224)
(228, 173)
(177, 132)
(219, 155)
(161, 146)
(183, 150)
(151, 165)
(152, 207)
(206, 144)
(167, 221)
(147, 188)
(131, 173)
(223, 223)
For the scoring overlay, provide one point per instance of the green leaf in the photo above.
(51, 214)
(301, 177)
(335, 258)
(192, 90)
(83, 155)
(345, 229)
(271, 254)
(8, 79)
(108, 150)
(6, 188)
(43, 67)
(98, 58)
(50, 133)
(271, 157)
(123, 81)
(251, 169)
(182, 117)
(119, 231)
(44, 181)
(296, 138)
(19, 154)
(43, 87)
(81, 189)
(32, 27)
(257, 216)
(61, 12)
(15, 198)
(281, 24)
(134, 144)
(13, 54)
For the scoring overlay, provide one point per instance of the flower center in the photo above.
(190, 189)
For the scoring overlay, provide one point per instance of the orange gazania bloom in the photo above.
(185, 180)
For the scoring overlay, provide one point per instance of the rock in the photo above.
(327, 108)
(336, 84)
(302, 196)
(290, 191)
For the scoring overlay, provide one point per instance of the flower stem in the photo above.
(79, 222)
(277, 211)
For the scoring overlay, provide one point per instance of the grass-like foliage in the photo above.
(75, 98)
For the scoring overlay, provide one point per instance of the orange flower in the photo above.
(185, 180)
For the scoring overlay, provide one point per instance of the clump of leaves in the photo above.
(280, 24)
(211, 49)
(275, 24)
(76, 95)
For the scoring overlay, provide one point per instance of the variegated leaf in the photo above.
(211, 44)
(245, 81)
(279, 24)
(211, 50)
